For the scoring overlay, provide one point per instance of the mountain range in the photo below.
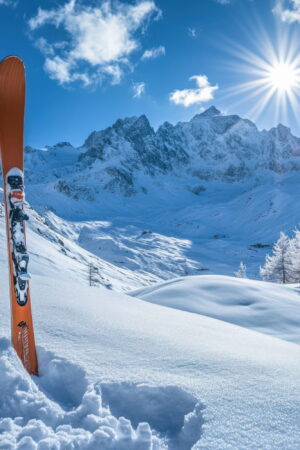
(198, 196)
(127, 156)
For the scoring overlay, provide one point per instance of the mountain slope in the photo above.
(160, 237)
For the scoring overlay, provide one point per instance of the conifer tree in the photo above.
(277, 266)
(242, 271)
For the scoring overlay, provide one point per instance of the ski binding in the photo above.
(16, 217)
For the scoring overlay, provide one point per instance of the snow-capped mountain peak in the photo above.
(129, 157)
(62, 144)
(210, 112)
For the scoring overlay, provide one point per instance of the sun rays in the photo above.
(270, 73)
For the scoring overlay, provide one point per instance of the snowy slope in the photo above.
(235, 387)
(178, 233)
(63, 243)
(266, 307)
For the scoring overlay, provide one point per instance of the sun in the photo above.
(283, 77)
(270, 71)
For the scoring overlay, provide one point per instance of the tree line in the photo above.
(283, 265)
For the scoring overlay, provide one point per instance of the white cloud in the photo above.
(154, 52)
(138, 89)
(62, 71)
(187, 97)
(223, 2)
(288, 11)
(192, 32)
(99, 39)
(9, 2)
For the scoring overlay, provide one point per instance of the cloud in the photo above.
(12, 3)
(288, 11)
(138, 89)
(223, 2)
(154, 52)
(187, 97)
(97, 41)
(192, 32)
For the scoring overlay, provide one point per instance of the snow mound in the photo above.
(62, 410)
(265, 307)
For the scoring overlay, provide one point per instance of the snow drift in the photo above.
(266, 307)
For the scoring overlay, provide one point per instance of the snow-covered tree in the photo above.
(293, 259)
(277, 266)
(242, 271)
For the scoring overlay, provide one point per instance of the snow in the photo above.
(161, 370)
(154, 364)
(71, 415)
(169, 368)
(187, 233)
(145, 239)
(266, 307)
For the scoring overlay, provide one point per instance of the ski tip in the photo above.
(12, 74)
(12, 59)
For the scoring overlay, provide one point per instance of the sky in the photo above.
(90, 62)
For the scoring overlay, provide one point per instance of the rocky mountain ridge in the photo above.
(129, 156)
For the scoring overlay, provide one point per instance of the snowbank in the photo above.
(62, 410)
(266, 307)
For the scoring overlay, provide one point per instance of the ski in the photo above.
(12, 102)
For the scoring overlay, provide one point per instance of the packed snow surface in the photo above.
(266, 307)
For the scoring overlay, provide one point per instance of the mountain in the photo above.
(129, 157)
(171, 202)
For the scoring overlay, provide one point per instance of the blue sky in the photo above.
(90, 62)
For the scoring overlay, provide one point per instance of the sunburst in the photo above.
(271, 70)
(283, 77)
